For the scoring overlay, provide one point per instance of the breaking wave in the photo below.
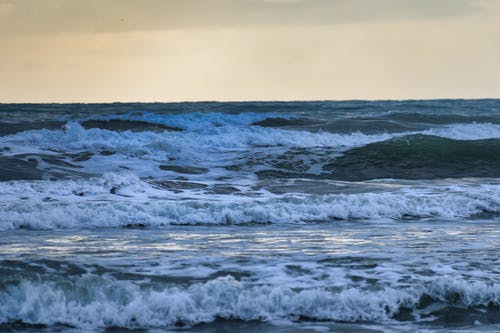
(126, 201)
(92, 301)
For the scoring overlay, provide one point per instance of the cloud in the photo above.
(96, 16)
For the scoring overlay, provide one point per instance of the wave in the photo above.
(246, 151)
(196, 121)
(74, 136)
(473, 131)
(125, 201)
(419, 157)
(91, 301)
(460, 126)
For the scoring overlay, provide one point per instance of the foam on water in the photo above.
(228, 137)
(215, 148)
(228, 131)
(75, 137)
(96, 302)
(124, 200)
(472, 131)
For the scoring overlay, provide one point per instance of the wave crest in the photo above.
(124, 201)
(91, 301)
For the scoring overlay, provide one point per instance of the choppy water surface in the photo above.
(219, 217)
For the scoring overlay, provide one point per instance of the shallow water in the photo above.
(259, 217)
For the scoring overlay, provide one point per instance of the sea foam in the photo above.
(126, 201)
(215, 138)
(92, 301)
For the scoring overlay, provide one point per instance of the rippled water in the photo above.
(220, 217)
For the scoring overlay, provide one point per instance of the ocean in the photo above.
(352, 216)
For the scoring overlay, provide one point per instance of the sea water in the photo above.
(355, 216)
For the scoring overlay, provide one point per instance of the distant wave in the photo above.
(228, 145)
(74, 136)
(226, 149)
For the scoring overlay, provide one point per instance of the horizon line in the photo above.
(262, 101)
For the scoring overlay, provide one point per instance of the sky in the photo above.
(200, 50)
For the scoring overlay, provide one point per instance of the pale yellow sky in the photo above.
(176, 50)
